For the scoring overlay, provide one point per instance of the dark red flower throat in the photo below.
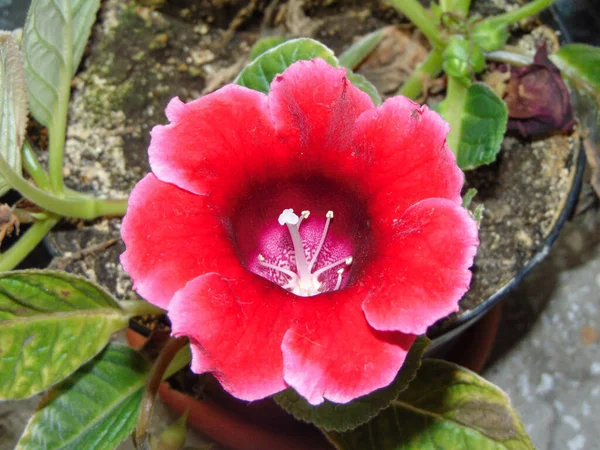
(306, 235)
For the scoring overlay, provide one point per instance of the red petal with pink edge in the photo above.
(405, 144)
(216, 142)
(332, 353)
(314, 108)
(424, 267)
(236, 326)
(170, 237)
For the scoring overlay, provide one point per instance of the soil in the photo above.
(144, 52)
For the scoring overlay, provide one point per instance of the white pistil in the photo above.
(305, 282)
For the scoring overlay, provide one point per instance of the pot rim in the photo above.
(469, 317)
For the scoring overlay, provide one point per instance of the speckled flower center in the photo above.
(306, 280)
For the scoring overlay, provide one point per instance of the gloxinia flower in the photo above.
(300, 238)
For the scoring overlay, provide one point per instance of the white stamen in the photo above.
(303, 215)
(346, 261)
(329, 216)
(305, 282)
(339, 279)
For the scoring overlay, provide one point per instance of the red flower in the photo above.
(258, 203)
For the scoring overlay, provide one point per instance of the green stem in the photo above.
(34, 168)
(521, 13)
(140, 307)
(158, 373)
(80, 206)
(432, 66)
(57, 129)
(422, 18)
(452, 108)
(26, 243)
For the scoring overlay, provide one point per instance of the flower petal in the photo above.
(171, 237)
(424, 271)
(405, 146)
(235, 334)
(332, 353)
(219, 139)
(315, 108)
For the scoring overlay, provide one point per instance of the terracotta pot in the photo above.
(264, 425)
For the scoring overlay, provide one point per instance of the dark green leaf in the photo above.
(54, 38)
(13, 104)
(260, 72)
(94, 409)
(264, 44)
(357, 52)
(50, 324)
(477, 120)
(341, 417)
(444, 407)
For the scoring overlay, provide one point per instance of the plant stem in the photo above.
(57, 128)
(26, 243)
(452, 110)
(79, 206)
(34, 168)
(169, 352)
(421, 18)
(521, 13)
(430, 68)
(140, 307)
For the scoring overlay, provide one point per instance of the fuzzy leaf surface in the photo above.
(478, 122)
(13, 104)
(267, 65)
(54, 38)
(444, 407)
(94, 409)
(50, 324)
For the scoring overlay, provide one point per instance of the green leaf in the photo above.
(260, 72)
(342, 417)
(13, 107)
(357, 52)
(94, 409)
(579, 61)
(580, 68)
(173, 437)
(50, 324)
(264, 44)
(445, 407)
(477, 118)
(54, 38)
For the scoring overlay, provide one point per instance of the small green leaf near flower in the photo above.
(259, 73)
